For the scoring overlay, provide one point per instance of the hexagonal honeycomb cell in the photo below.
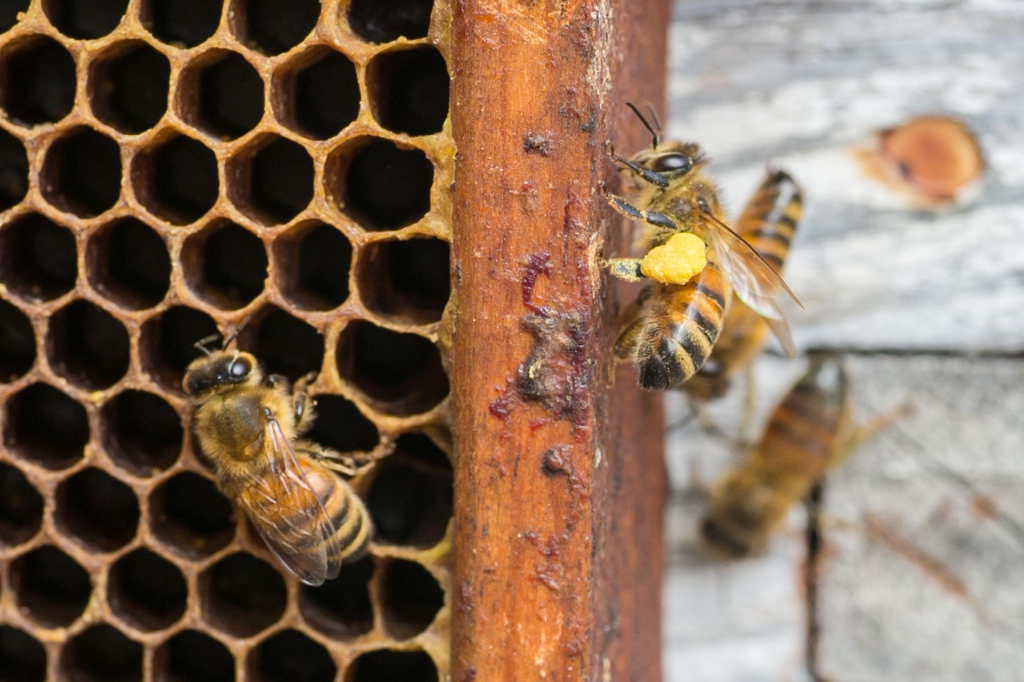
(50, 587)
(82, 172)
(221, 94)
(101, 653)
(37, 80)
(128, 263)
(38, 258)
(21, 655)
(21, 507)
(192, 656)
(172, 172)
(129, 85)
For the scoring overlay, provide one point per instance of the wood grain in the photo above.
(930, 302)
(559, 482)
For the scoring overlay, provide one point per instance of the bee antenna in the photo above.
(238, 330)
(655, 130)
(654, 118)
(202, 344)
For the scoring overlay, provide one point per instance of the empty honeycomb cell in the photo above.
(168, 343)
(382, 22)
(290, 656)
(276, 26)
(141, 432)
(146, 591)
(50, 587)
(37, 81)
(82, 173)
(9, 12)
(274, 180)
(410, 598)
(383, 186)
(21, 507)
(177, 181)
(242, 595)
(85, 19)
(87, 345)
(45, 426)
(98, 510)
(341, 608)
(38, 260)
(182, 23)
(341, 426)
(128, 86)
(225, 264)
(321, 93)
(17, 342)
(406, 279)
(411, 498)
(22, 657)
(221, 94)
(386, 665)
(128, 263)
(286, 345)
(191, 656)
(400, 373)
(13, 170)
(411, 93)
(313, 261)
(191, 516)
(101, 653)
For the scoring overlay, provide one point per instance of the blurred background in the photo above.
(921, 573)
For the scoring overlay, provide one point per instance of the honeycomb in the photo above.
(168, 169)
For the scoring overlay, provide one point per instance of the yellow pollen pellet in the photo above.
(677, 260)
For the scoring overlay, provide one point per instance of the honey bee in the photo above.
(671, 329)
(808, 433)
(249, 425)
(674, 326)
(767, 223)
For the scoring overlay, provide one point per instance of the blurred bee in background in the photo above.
(767, 223)
(249, 426)
(672, 329)
(808, 433)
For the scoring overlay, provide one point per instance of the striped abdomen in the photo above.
(800, 443)
(282, 505)
(802, 435)
(767, 223)
(351, 521)
(770, 218)
(677, 329)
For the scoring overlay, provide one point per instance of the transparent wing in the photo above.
(286, 510)
(754, 281)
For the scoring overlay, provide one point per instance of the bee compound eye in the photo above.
(672, 163)
(240, 368)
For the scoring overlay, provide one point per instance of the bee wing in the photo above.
(754, 281)
(286, 510)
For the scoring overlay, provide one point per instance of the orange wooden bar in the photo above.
(559, 480)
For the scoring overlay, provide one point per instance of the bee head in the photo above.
(671, 159)
(219, 369)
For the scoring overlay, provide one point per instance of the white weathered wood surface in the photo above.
(796, 84)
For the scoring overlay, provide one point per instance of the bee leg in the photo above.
(645, 173)
(625, 268)
(652, 217)
(749, 408)
(276, 381)
(350, 463)
(862, 433)
(303, 405)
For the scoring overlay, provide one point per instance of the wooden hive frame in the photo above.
(170, 173)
